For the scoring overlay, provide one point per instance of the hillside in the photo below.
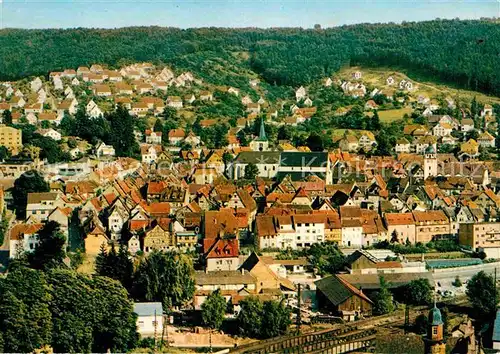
(464, 54)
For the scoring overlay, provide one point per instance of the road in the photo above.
(466, 273)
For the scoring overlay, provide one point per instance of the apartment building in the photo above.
(11, 138)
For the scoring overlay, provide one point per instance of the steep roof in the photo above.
(338, 290)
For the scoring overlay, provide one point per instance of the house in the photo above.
(153, 137)
(102, 150)
(139, 109)
(357, 75)
(50, 117)
(294, 232)
(370, 105)
(33, 108)
(300, 94)
(337, 296)
(174, 101)
(123, 88)
(469, 148)
(40, 205)
(158, 236)
(390, 81)
(431, 225)
(487, 110)
(96, 239)
(23, 238)
(483, 236)
(11, 138)
(150, 153)
(400, 227)
(49, 133)
(442, 129)
(175, 136)
(253, 108)
(233, 91)
(93, 111)
(102, 90)
(150, 318)
(486, 140)
(402, 146)
(206, 96)
(221, 254)
(467, 125)
(189, 98)
(349, 143)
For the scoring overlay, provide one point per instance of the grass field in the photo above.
(393, 114)
(377, 77)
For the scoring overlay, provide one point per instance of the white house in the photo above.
(23, 238)
(300, 94)
(153, 137)
(149, 318)
(402, 146)
(40, 205)
(442, 129)
(352, 233)
(50, 133)
(104, 150)
(149, 153)
(93, 110)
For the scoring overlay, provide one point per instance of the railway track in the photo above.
(357, 335)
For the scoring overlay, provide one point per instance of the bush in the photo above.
(457, 282)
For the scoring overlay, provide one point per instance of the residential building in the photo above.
(11, 138)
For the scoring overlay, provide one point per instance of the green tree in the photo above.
(251, 171)
(315, 142)
(483, 295)
(164, 275)
(24, 293)
(421, 324)
(122, 128)
(49, 253)
(213, 310)
(383, 301)
(250, 317)
(158, 127)
(418, 292)
(7, 117)
(115, 265)
(115, 329)
(275, 320)
(90, 314)
(4, 153)
(457, 282)
(28, 182)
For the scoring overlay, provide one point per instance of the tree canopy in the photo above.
(483, 294)
(461, 52)
(28, 182)
(164, 275)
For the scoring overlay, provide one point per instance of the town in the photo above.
(277, 210)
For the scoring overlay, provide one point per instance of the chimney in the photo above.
(243, 271)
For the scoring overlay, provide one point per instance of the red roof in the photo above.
(221, 248)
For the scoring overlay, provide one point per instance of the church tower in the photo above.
(261, 143)
(434, 342)
(430, 162)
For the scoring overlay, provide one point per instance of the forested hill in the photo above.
(463, 53)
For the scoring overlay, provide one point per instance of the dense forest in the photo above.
(460, 53)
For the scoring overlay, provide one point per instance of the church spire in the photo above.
(262, 132)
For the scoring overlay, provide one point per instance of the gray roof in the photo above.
(148, 308)
(258, 157)
(496, 328)
(223, 277)
(300, 159)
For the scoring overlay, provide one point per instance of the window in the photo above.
(434, 330)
